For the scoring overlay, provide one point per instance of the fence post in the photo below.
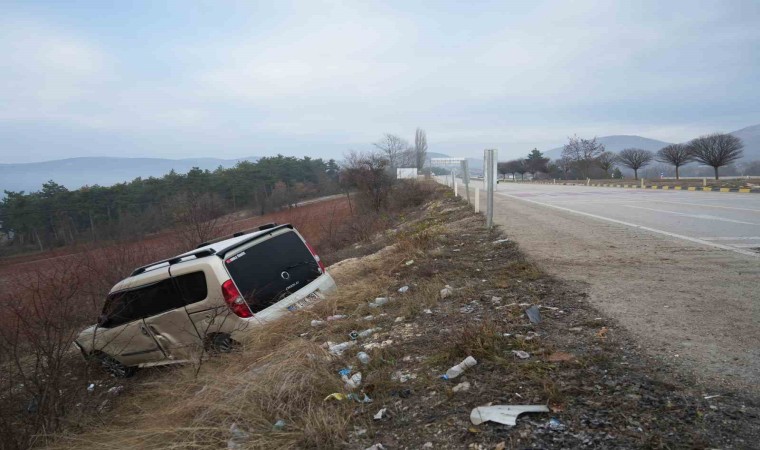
(477, 199)
(490, 157)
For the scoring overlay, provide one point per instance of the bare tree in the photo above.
(583, 153)
(368, 173)
(676, 155)
(420, 147)
(198, 217)
(393, 148)
(716, 150)
(635, 158)
(606, 161)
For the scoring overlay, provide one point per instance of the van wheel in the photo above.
(114, 367)
(220, 343)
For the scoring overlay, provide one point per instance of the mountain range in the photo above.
(750, 136)
(104, 171)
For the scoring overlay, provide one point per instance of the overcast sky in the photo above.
(242, 78)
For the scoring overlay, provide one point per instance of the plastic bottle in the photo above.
(367, 332)
(460, 368)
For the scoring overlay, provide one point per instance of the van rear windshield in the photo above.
(273, 269)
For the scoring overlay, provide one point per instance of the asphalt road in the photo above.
(678, 269)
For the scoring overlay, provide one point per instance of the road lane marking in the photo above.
(732, 238)
(640, 227)
(696, 216)
(709, 206)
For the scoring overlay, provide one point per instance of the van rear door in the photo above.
(270, 269)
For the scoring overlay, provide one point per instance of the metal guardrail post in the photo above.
(490, 178)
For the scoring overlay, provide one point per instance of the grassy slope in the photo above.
(606, 395)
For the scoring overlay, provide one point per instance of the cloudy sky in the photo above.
(239, 78)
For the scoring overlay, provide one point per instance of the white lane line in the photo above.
(730, 238)
(641, 227)
(696, 216)
(708, 206)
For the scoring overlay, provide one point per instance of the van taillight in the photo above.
(234, 300)
(316, 257)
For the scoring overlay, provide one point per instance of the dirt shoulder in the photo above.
(692, 307)
(601, 391)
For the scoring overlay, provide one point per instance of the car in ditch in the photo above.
(170, 311)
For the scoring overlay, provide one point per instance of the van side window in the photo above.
(145, 301)
(192, 286)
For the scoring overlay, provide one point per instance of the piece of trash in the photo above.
(355, 397)
(336, 317)
(402, 376)
(504, 414)
(457, 370)
(708, 397)
(575, 329)
(462, 387)
(369, 317)
(473, 430)
(116, 390)
(377, 446)
(501, 241)
(501, 445)
(521, 354)
(279, 425)
(399, 319)
(379, 414)
(352, 382)
(363, 357)
(560, 357)
(403, 289)
(427, 445)
(353, 335)
(91, 387)
(338, 349)
(336, 396)
(446, 291)
(238, 439)
(602, 333)
(555, 424)
(317, 323)
(410, 262)
(531, 335)
(428, 311)
(534, 314)
(344, 372)
(379, 301)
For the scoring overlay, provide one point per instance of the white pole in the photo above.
(477, 199)
(456, 187)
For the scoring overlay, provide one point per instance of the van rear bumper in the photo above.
(321, 286)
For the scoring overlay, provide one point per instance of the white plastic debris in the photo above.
(363, 357)
(91, 387)
(116, 390)
(504, 414)
(368, 332)
(379, 415)
(338, 349)
(377, 446)
(238, 439)
(521, 354)
(446, 291)
(336, 317)
(317, 323)
(410, 262)
(462, 387)
(399, 319)
(379, 301)
(457, 370)
(501, 241)
(353, 382)
(403, 289)
(428, 311)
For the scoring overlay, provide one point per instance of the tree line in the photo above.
(56, 216)
(585, 158)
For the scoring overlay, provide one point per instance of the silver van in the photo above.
(170, 311)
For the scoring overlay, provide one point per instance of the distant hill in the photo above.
(617, 143)
(749, 135)
(751, 138)
(104, 171)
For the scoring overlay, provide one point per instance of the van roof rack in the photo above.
(209, 251)
(238, 234)
(174, 260)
